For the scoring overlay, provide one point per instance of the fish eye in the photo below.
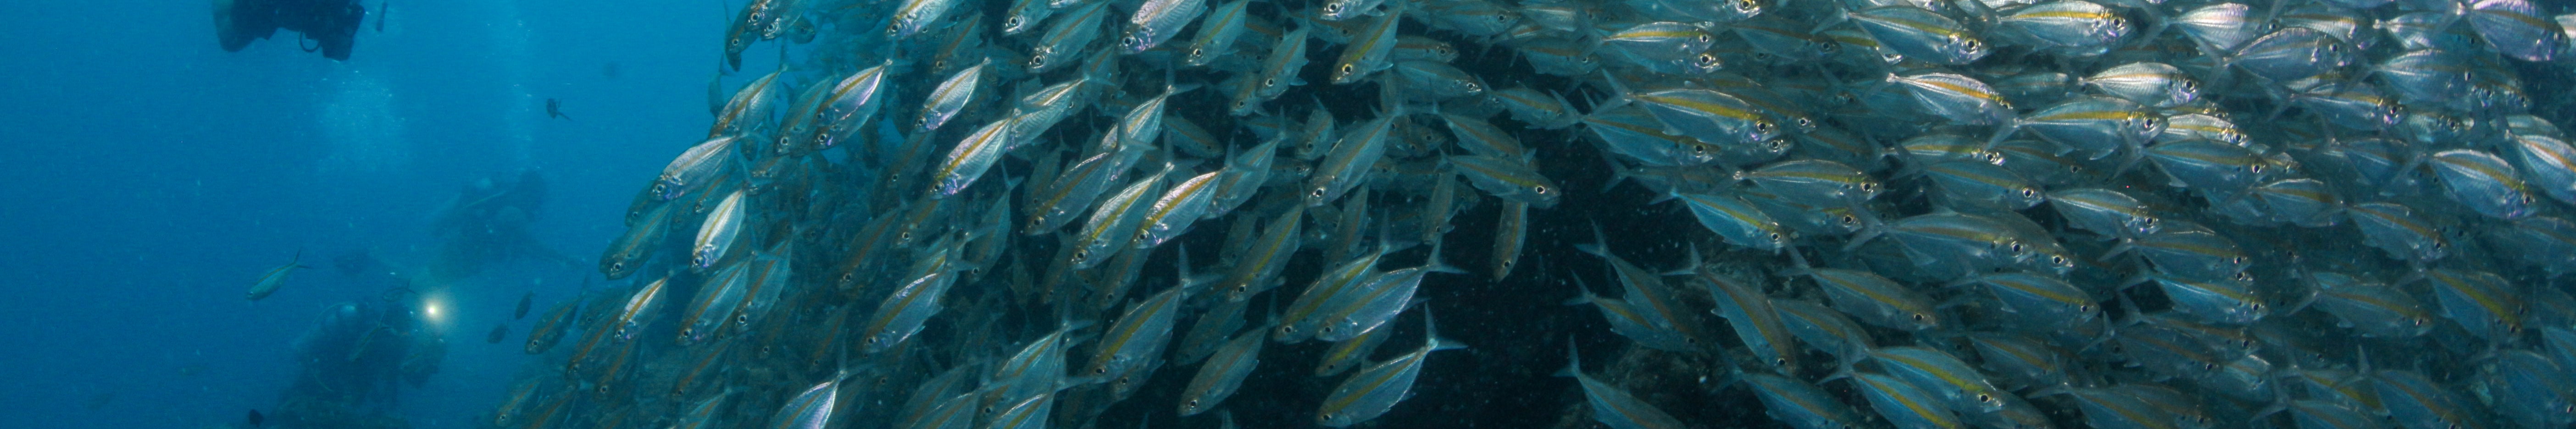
(1542, 190)
(1985, 398)
(1918, 317)
(2016, 247)
(1318, 193)
(1102, 370)
(1014, 22)
(2029, 193)
(1333, 8)
(1347, 69)
(1192, 404)
(1198, 52)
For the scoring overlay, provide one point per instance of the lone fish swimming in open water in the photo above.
(268, 283)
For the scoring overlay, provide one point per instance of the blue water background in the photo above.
(149, 177)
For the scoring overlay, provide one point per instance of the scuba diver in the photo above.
(330, 26)
(487, 225)
(355, 358)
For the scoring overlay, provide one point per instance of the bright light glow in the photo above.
(431, 309)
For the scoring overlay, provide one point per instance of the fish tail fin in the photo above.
(1798, 264)
(1172, 85)
(1669, 194)
(1600, 245)
(1586, 289)
(1690, 262)
(1573, 360)
(1962, 282)
(1618, 93)
(2312, 294)
(2112, 330)
(1869, 230)
(1187, 280)
(1837, 17)
(1437, 264)
(1618, 173)
(2060, 389)
(1431, 334)
(2280, 402)
(2124, 247)
(1847, 364)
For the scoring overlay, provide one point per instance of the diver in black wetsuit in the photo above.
(330, 26)
(355, 358)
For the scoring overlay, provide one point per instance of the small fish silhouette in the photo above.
(554, 109)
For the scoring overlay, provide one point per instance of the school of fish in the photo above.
(1815, 214)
